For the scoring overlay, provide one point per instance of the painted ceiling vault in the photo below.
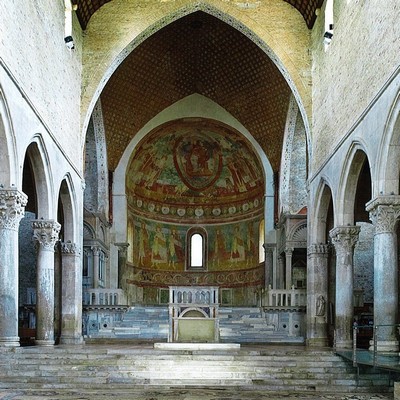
(197, 54)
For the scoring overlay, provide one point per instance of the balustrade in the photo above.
(285, 297)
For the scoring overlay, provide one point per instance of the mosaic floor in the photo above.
(179, 394)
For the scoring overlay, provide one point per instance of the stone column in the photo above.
(122, 256)
(384, 213)
(96, 264)
(280, 283)
(12, 207)
(288, 266)
(344, 239)
(71, 294)
(46, 233)
(269, 264)
(317, 295)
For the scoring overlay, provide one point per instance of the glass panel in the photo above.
(196, 253)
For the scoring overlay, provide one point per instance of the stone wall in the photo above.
(33, 52)
(352, 70)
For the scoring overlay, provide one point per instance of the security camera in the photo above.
(69, 41)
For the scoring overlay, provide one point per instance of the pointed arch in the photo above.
(191, 106)
(388, 161)
(67, 210)
(40, 163)
(354, 162)
(264, 40)
(8, 153)
(324, 206)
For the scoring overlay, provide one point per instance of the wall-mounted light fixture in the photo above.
(69, 41)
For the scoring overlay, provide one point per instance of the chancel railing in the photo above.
(284, 297)
(193, 314)
(103, 297)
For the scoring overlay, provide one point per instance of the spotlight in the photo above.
(69, 41)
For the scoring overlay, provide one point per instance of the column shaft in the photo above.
(384, 213)
(344, 238)
(46, 234)
(12, 205)
(288, 266)
(71, 295)
(317, 295)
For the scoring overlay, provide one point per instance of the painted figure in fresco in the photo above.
(159, 247)
(219, 248)
(143, 243)
(173, 242)
(237, 246)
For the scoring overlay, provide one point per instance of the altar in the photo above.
(193, 314)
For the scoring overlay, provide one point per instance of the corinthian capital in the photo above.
(345, 236)
(344, 239)
(384, 212)
(45, 232)
(12, 207)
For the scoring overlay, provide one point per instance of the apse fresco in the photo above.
(162, 246)
(195, 170)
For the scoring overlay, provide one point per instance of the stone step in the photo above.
(268, 369)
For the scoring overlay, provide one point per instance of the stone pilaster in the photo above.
(384, 214)
(45, 232)
(71, 294)
(344, 239)
(317, 295)
(122, 257)
(12, 207)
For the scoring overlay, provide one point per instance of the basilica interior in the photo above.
(192, 173)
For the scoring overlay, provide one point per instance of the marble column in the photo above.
(280, 281)
(45, 232)
(96, 265)
(317, 295)
(288, 268)
(269, 264)
(344, 239)
(384, 213)
(122, 256)
(71, 294)
(12, 207)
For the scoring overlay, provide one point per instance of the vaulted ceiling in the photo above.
(307, 8)
(196, 54)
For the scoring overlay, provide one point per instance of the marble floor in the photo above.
(179, 394)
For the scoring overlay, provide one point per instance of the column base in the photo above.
(317, 342)
(344, 344)
(385, 346)
(71, 340)
(44, 343)
(12, 341)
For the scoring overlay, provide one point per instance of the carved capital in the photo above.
(12, 208)
(344, 239)
(45, 232)
(122, 249)
(289, 251)
(384, 212)
(70, 248)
